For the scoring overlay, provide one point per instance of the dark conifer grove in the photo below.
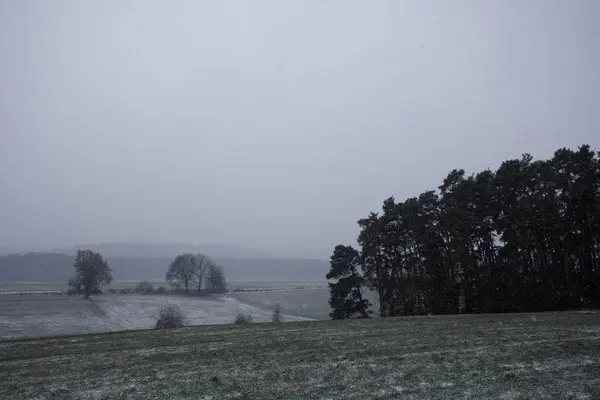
(525, 237)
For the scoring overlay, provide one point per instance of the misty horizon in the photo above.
(272, 125)
(164, 249)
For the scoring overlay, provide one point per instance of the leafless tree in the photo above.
(277, 314)
(203, 265)
(182, 270)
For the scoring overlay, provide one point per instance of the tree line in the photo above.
(525, 237)
(196, 270)
(92, 271)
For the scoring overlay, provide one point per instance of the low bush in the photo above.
(243, 319)
(277, 314)
(160, 290)
(169, 317)
(144, 288)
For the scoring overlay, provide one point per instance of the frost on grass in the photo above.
(56, 315)
(50, 315)
(410, 358)
(138, 312)
(169, 317)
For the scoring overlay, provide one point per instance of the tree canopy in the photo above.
(216, 279)
(525, 237)
(346, 292)
(182, 270)
(187, 269)
(91, 271)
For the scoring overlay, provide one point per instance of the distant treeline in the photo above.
(525, 237)
(53, 267)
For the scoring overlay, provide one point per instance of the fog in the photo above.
(273, 124)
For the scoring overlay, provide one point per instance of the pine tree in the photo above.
(525, 237)
(346, 292)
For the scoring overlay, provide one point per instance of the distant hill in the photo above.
(12, 250)
(149, 249)
(319, 254)
(157, 249)
(54, 267)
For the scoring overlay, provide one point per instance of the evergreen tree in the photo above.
(525, 237)
(346, 292)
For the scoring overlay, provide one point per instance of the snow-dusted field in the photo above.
(310, 303)
(44, 315)
(508, 356)
(139, 312)
(47, 315)
(303, 298)
(232, 284)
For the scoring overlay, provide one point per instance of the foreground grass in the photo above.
(487, 356)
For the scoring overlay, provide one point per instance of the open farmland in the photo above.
(8, 287)
(311, 303)
(60, 286)
(43, 315)
(303, 298)
(507, 356)
(232, 285)
(265, 284)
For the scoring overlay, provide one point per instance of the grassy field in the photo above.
(308, 299)
(275, 285)
(44, 315)
(311, 303)
(525, 356)
(44, 286)
(244, 285)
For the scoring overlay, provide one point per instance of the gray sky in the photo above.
(273, 124)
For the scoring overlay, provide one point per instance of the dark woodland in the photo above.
(522, 238)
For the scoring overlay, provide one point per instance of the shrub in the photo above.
(144, 288)
(243, 319)
(160, 290)
(113, 291)
(277, 314)
(169, 317)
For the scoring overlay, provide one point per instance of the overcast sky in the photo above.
(273, 124)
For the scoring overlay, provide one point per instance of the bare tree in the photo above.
(182, 270)
(169, 317)
(277, 314)
(92, 270)
(203, 265)
(216, 279)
